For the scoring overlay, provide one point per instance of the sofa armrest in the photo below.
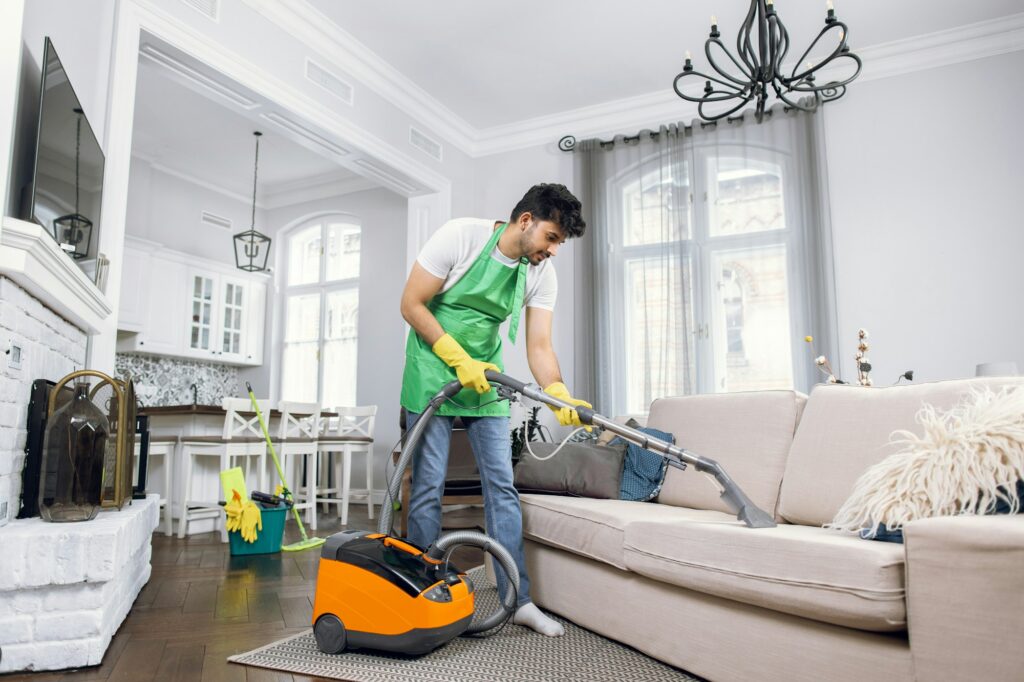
(965, 597)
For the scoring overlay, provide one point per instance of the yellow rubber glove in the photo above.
(252, 520)
(234, 511)
(566, 416)
(469, 371)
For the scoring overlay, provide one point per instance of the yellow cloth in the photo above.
(469, 371)
(566, 416)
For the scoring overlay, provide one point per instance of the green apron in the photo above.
(471, 312)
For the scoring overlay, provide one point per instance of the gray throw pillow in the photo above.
(579, 469)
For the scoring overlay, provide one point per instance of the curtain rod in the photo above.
(568, 142)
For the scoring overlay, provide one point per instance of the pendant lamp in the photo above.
(252, 248)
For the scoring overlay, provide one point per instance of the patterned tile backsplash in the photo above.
(165, 381)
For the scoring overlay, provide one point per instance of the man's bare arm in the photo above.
(419, 289)
(540, 352)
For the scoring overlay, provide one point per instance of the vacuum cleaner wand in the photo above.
(741, 505)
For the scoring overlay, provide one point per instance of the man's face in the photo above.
(540, 239)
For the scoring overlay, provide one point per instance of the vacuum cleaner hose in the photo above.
(501, 555)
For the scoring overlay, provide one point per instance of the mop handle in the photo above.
(273, 452)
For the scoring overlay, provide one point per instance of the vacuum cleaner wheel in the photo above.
(329, 634)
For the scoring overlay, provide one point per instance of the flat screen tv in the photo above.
(67, 182)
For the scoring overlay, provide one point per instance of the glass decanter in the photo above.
(73, 452)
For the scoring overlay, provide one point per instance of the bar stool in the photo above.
(241, 438)
(166, 447)
(351, 433)
(296, 447)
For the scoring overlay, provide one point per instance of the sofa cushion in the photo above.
(749, 434)
(846, 429)
(594, 528)
(800, 570)
(587, 469)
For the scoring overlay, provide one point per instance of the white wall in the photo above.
(925, 176)
(382, 215)
(166, 209)
(81, 33)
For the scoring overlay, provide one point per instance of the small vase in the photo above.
(74, 446)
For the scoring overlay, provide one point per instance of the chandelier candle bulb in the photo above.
(761, 43)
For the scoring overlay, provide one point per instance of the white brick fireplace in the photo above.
(65, 588)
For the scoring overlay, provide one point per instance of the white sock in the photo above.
(532, 617)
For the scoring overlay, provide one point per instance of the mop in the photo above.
(306, 542)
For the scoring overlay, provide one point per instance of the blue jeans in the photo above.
(503, 517)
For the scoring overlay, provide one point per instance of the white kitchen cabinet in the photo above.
(177, 305)
(131, 313)
(151, 301)
(225, 317)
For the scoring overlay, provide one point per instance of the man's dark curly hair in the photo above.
(553, 202)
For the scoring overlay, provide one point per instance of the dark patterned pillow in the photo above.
(578, 469)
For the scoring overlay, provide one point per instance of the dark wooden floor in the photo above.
(202, 605)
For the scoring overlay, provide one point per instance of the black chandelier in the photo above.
(252, 248)
(762, 44)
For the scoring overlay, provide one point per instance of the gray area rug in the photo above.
(515, 654)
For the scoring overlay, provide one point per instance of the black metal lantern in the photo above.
(74, 231)
(252, 248)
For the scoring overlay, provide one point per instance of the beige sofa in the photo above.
(683, 581)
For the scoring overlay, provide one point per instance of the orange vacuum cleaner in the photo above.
(375, 591)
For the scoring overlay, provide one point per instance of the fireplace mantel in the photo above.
(30, 257)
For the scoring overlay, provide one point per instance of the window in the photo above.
(321, 312)
(702, 278)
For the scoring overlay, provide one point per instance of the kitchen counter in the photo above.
(213, 410)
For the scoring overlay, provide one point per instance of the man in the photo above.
(470, 277)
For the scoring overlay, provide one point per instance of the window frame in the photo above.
(320, 287)
(699, 249)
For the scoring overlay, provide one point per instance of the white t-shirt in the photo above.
(450, 252)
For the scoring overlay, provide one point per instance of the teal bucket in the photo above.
(268, 540)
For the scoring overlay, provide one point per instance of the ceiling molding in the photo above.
(328, 186)
(190, 178)
(314, 188)
(343, 51)
(195, 78)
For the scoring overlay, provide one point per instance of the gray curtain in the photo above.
(707, 260)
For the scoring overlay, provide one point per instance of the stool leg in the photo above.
(310, 459)
(346, 482)
(225, 463)
(369, 479)
(324, 470)
(169, 489)
(186, 492)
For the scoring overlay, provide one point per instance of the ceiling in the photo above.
(494, 64)
(178, 129)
